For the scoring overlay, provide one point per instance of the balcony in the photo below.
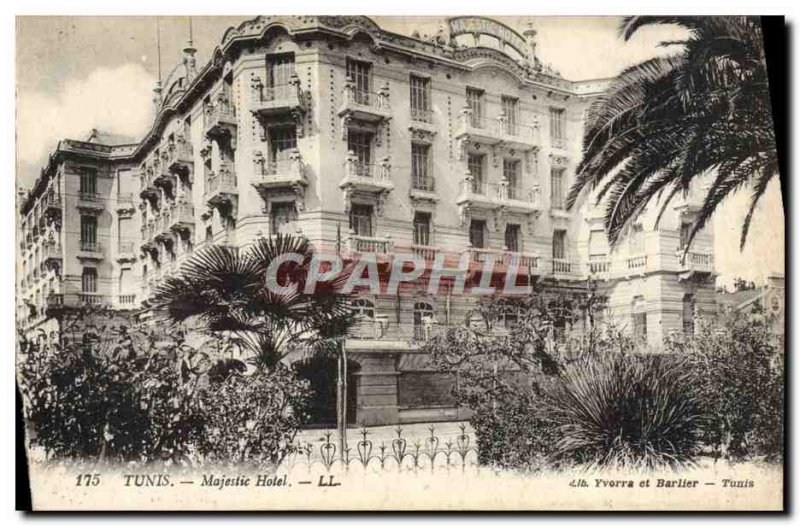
(599, 267)
(367, 106)
(516, 199)
(423, 187)
(526, 263)
(180, 158)
(518, 136)
(126, 252)
(52, 255)
(478, 195)
(126, 301)
(272, 101)
(286, 173)
(221, 186)
(180, 217)
(219, 120)
(147, 187)
(164, 178)
(695, 265)
(56, 302)
(91, 202)
(636, 264)
(52, 205)
(562, 268)
(125, 204)
(90, 250)
(366, 177)
(496, 131)
(357, 244)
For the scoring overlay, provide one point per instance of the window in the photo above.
(89, 280)
(636, 243)
(420, 167)
(360, 143)
(282, 141)
(686, 229)
(209, 234)
(88, 183)
(364, 307)
(639, 319)
(560, 244)
(511, 174)
(88, 232)
(557, 188)
(361, 220)
(281, 214)
(475, 103)
(361, 75)
(688, 315)
(422, 229)
(475, 167)
(420, 99)
(280, 69)
(477, 229)
(558, 122)
(511, 111)
(512, 238)
(423, 318)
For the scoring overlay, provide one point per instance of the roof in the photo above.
(740, 299)
(109, 139)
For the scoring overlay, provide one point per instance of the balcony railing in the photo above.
(367, 176)
(562, 266)
(423, 183)
(288, 170)
(636, 262)
(377, 245)
(366, 105)
(222, 182)
(599, 265)
(220, 118)
(90, 198)
(696, 261)
(503, 258)
(90, 246)
(424, 116)
(494, 130)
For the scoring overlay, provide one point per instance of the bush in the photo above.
(122, 397)
(740, 377)
(627, 411)
(253, 418)
(513, 432)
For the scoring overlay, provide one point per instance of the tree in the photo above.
(739, 374)
(669, 120)
(222, 289)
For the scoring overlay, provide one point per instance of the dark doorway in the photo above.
(321, 371)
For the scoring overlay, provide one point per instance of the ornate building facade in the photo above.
(363, 141)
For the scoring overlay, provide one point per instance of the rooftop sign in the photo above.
(476, 25)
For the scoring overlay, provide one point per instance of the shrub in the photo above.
(613, 409)
(253, 418)
(740, 377)
(125, 398)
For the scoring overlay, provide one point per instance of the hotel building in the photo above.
(362, 140)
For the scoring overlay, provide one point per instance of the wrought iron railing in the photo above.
(431, 452)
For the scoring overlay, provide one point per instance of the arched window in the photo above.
(688, 315)
(423, 320)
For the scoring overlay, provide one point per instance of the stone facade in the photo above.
(367, 141)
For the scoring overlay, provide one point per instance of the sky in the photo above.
(79, 73)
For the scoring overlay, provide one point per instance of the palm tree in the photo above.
(669, 120)
(222, 289)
